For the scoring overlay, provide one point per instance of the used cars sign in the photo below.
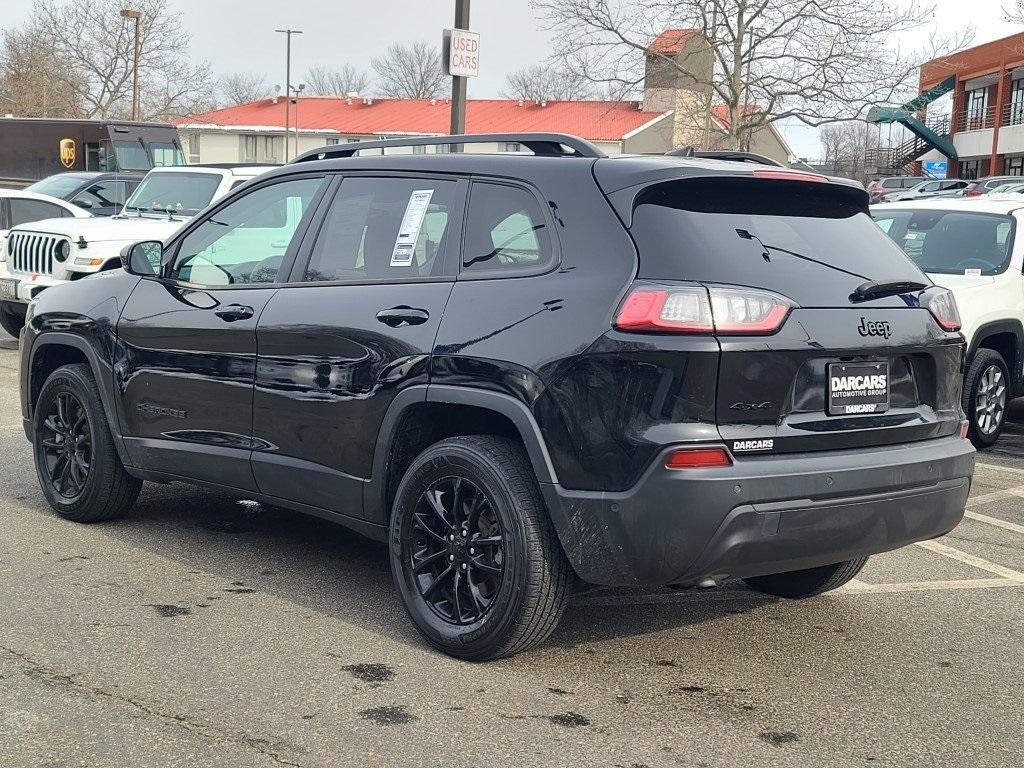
(462, 53)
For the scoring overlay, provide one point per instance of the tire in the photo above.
(477, 616)
(11, 320)
(90, 484)
(797, 585)
(987, 370)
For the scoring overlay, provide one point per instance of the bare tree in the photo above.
(34, 82)
(539, 82)
(95, 42)
(846, 147)
(816, 61)
(321, 80)
(411, 71)
(1014, 13)
(243, 87)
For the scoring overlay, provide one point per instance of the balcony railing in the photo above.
(974, 119)
(1013, 114)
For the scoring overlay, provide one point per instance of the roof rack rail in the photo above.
(730, 155)
(541, 144)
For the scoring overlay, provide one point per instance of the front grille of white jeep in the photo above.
(32, 253)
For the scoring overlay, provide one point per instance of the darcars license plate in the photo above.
(9, 289)
(858, 388)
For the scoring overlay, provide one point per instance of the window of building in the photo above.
(506, 232)
(271, 149)
(387, 229)
(351, 140)
(511, 146)
(193, 147)
(1014, 165)
(977, 106)
(421, 150)
(248, 148)
(331, 142)
(245, 242)
(1016, 115)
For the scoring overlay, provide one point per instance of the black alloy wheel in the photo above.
(67, 446)
(455, 544)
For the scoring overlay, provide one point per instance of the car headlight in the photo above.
(62, 251)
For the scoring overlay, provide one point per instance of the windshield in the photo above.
(166, 153)
(951, 242)
(131, 156)
(814, 243)
(185, 193)
(62, 185)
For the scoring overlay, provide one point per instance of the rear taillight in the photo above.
(973, 191)
(695, 309)
(942, 305)
(698, 458)
(965, 429)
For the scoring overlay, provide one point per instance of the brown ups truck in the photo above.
(34, 148)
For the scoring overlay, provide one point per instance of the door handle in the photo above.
(233, 312)
(399, 316)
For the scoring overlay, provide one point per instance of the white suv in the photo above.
(54, 251)
(970, 245)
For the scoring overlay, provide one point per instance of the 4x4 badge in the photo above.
(874, 328)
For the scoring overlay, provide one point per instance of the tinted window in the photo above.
(812, 242)
(24, 211)
(131, 156)
(951, 242)
(105, 194)
(506, 231)
(386, 229)
(245, 241)
(184, 193)
(61, 185)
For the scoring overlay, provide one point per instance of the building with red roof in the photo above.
(674, 112)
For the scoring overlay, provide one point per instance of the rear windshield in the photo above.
(184, 193)
(812, 242)
(60, 185)
(951, 242)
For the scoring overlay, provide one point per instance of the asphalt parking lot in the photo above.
(204, 631)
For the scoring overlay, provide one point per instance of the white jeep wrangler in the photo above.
(971, 246)
(54, 251)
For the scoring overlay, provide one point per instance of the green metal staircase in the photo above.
(933, 134)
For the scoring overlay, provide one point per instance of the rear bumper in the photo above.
(764, 514)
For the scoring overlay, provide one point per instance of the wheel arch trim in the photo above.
(987, 330)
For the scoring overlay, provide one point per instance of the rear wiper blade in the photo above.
(877, 289)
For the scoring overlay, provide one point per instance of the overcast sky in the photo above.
(239, 36)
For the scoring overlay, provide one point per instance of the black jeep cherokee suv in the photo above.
(521, 371)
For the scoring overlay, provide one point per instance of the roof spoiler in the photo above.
(541, 144)
(733, 156)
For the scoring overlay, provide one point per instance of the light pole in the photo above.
(137, 16)
(297, 90)
(287, 83)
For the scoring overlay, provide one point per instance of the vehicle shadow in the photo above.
(328, 569)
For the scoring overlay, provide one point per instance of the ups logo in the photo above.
(67, 152)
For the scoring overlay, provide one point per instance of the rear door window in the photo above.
(951, 242)
(24, 210)
(814, 243)
(381, 228)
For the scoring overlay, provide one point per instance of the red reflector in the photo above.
(790, 176)
(693, 458)
(965, 427)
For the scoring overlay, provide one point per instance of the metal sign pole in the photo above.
(458, 125)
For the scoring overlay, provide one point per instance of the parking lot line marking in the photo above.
(987, 498)
(994, 521)
(861, 588)
(977, 562)
(998, 468)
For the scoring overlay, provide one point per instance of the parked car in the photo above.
(931, 188)
(18, 207)
(50, 252)
(521, 372)
(101, 194)
(986, 184)
(889, 184)
(971, 249)
(1007, 189)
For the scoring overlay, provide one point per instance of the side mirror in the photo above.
(82, 204)
(143, 259)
